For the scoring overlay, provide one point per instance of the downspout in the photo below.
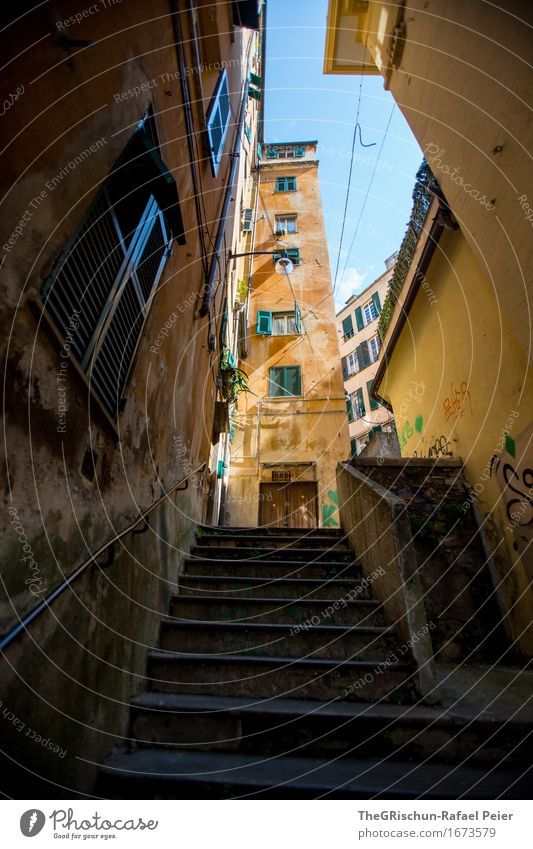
(189, 124)
(209, 286)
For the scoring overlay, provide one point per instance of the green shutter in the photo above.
(363, 355)
(359, 318)
(349, 408)
(291, 184)
(377, 302)
(284, 381)
(247, 131)
(374, 405)
(360, 403)
(293, 383)
(347, 327)
(297, 318)
(254, 92)
(353, 447)
(344, 364)
(259, 151)
(255, 79)
(264, 322)
(292, 253)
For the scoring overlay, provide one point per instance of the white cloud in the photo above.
(352, 282)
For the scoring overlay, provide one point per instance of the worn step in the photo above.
(276, 610)
(226, 567)
(282, 541)
(276, 640)
(349, 729)
(265, 553)
(155, 773)
(295, 588)
(266, 677)
(310, 533)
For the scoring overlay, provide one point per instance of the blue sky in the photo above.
(302, 103)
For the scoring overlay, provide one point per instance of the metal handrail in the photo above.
(43, 605)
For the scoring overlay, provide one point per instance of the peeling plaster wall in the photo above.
(165, 430)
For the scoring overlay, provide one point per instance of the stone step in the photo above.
(266, 677)
(262, 553)
(227, 567)
(281, 541)
(276, 610)
(333, 533)
(276, 640)
(166, 774)
(318, 729)
(295, 588)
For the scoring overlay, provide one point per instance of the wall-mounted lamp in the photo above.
(283, 265)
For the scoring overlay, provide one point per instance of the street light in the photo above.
(283, 265)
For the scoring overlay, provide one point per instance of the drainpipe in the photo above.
(189, 124)
(209, 287)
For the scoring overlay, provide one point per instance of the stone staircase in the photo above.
(276, 676)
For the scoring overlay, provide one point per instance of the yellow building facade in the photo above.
(290, 430)
(460, 386)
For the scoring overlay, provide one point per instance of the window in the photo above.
(285, 184)
(374, 345)
(279, 323)
(358, 404)
(353, 363)
(247, 131)
(101, 288)
(286, 152)
(284, 381)
(370, 312)
(292, 253)
(281, 477)
(353, 447)
(285, 224)
(218, 117)
(347, 327)
(374, 405)
(283, 324)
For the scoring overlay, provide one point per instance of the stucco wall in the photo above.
(460, 393)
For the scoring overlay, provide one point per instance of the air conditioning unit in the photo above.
(247, 221)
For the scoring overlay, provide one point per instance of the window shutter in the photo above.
(297, 318)
(363, 355)
(374, 405)
(264, 322)
(254, 92)
(259, 151)
(377, 302)
(247, 220)
(344, 364)
(359, 402)
(291, 184)
(218, 121)
(349, 409)
(247, 131)
(347, 327)
(255, 79)
(359, 318)
(353, 447)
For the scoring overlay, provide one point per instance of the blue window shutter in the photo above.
(359, 318)
(360, 403)
(293, 384)
(377, 302)
(264, 322)
(259, 151)
(363, 355)
(247, 131)
(218, 117)
(349, 409)
(276, 382)
(291, 184)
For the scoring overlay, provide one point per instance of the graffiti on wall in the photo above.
(408, 430)
(514, 473)
(329, 508)
(457, 402)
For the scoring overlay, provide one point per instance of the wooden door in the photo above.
(288, 505)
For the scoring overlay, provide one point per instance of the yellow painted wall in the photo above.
(311, 428)
(458, 381)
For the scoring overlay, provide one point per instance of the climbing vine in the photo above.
(421, 201)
